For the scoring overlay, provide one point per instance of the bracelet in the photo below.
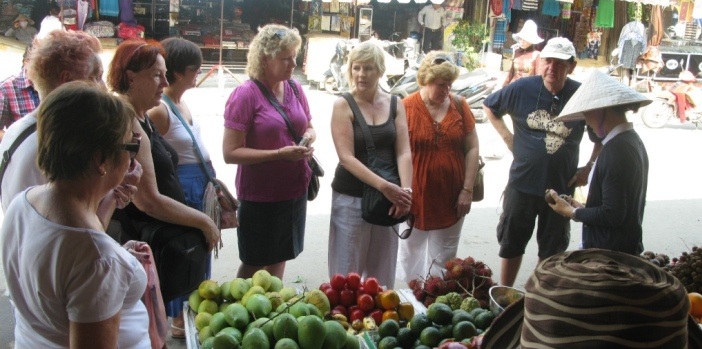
(470, 190)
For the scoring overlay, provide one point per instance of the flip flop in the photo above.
(177, 332)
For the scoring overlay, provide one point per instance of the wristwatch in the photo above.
(572, 215)
(408, 190)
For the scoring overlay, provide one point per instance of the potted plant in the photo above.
(470, 38)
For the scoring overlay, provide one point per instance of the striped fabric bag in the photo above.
(597, 299)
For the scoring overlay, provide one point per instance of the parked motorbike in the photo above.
(665, 107)
(474, 86)
(334, 79)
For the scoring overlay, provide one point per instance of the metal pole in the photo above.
(292, 11)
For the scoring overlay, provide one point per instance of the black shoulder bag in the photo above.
(317, 171)
(7, 155)
(374, 205)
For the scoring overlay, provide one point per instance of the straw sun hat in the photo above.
(597, 299)
(528, 33)
(599, 91)
(20, 18)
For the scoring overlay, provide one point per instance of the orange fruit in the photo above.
(389, 300)
(695, 304)
(390, 314)
(405, 310)
(378, 304)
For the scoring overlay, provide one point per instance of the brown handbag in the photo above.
(478, 184)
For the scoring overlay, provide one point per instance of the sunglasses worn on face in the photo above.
(407, 232)
(133, 146)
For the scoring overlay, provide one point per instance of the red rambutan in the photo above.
(429, 301)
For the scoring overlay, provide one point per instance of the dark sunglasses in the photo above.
(133, 146)
(407, 232)
(441, 59)
(280, 33)
(555, 105)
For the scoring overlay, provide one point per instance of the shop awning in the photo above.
(415, 1)
(652, 2)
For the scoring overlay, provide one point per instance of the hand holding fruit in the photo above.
(562, 204)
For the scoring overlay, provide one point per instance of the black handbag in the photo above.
(317, 170)
(180, 255)
(374, 205)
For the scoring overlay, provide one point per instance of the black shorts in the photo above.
(271, 232)
(517, 225)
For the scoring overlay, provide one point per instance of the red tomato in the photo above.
(334, 296)
(340, 309)
(347, 298)
(353, 281)
(357, 314)
(365, 302)
(377, 315)
(338, 282)
(371, 286)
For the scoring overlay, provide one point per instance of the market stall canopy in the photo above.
(652, 2)
(438, 2)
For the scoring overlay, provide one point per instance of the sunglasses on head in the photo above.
(441, 59)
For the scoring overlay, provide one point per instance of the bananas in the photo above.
(369, 324)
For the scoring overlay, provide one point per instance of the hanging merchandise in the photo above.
(551, 8)
(109, 8)
(83, 12)
(605, 14)
(565, 13)
(594, 40)
(530, 5)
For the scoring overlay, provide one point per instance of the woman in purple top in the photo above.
(273, 172)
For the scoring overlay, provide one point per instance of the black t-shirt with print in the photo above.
(545, 151)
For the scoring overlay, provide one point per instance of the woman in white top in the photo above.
(183, 60)
(74, 286)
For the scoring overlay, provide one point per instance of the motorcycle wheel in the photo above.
(330, 85)
(657, 114)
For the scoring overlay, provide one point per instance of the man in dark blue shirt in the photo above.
(545, 155)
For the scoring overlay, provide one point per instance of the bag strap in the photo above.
(280, 110)
(458, 100)
(7, 155)
(367, 137)
(198, 152)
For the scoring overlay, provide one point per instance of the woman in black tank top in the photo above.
(373, 250)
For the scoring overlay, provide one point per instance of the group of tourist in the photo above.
(129, 157)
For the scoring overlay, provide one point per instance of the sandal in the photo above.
(177, 332)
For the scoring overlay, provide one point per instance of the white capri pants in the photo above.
(422, 247)
(358, 246)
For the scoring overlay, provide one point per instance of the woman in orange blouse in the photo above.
(444, 148)
(526, 57)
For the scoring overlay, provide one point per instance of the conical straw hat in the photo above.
(599, 91)
(528, 33)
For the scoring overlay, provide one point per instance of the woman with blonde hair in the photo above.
(444, 145)
(263, 120)
(354, 244)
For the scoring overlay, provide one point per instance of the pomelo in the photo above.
(262, 278)
(225, 291)
(311, 332)
(238, 288)
(209, 289)
(208, 306)
(194, 300)
(285, 326)
(236, 316)
(287, 293)
(202, 320)
(258, 305)
(286, 343)
(276, 284)
(217, 323)
(335, 335)
(255, 338)
(225, 341)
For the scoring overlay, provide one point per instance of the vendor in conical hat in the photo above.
(22, 29)
(613, 213)
(526, 57)
(597, 299)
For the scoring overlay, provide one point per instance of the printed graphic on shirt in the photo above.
(556, 131)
